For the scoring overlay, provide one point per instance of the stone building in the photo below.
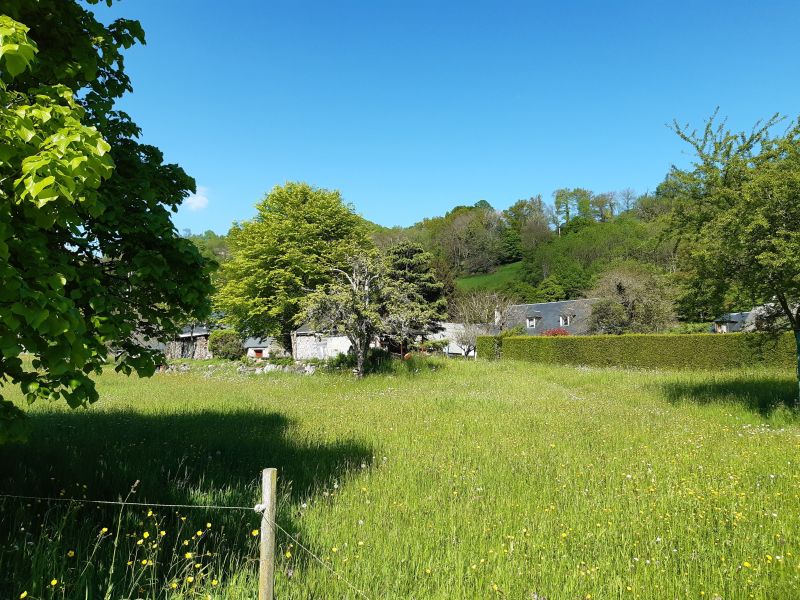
(308, 344)
(192, 342)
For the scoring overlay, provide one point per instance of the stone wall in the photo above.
(188, 347)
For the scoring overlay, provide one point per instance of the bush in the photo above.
(682, 328)
(656, 351)
(226, 343)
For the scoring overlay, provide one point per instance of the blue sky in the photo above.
(411, 107)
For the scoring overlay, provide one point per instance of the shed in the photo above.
(308, 344)
(257, 347)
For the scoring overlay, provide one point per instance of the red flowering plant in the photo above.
(557, 332)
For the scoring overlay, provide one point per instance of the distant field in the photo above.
(476, 480)
(491, 281)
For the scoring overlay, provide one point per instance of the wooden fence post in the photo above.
(266, 566)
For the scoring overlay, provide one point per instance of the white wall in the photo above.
(313, 346)
(449, 333)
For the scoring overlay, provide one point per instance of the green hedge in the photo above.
(687, 351)
(488, 347)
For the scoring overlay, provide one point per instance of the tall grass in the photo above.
(474, 480)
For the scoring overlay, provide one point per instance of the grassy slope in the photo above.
(476, 481)
(491, 281)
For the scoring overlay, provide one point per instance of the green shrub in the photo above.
(655, 351)
(682, 328)
(226, 343)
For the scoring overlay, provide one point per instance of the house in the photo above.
(191, 342)
(737, 322)
(450, 332)
(535, 319)
(308, 344)
(256, 347)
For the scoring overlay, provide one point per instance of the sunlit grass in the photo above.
(475, 480)
(494, 281)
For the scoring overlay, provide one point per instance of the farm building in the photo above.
(535, 319)
(754, 319)
(192, 342)
(308, 344)
(733, 322)
(256, 347)
(450, 332)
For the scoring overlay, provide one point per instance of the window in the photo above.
(565, 320)
(531, 322)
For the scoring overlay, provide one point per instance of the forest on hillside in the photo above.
(550, 250)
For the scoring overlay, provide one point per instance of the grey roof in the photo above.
(304, 329)
(547, 315)
(738, 321)
(257, 342)
(196, 331)
(738, 317)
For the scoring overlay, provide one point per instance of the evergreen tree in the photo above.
(417, 297)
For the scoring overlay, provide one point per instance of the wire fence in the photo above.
(255, 508)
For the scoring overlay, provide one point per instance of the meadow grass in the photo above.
(473, 480)
(494, 281)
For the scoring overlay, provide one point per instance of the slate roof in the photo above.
(548, 316)
(196, 331)
(257, 342)
(736, 322)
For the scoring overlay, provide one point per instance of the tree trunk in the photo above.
(361, 359)
(286, 342)
(797, 351)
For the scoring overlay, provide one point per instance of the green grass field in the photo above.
(473, 480)
(493, 281)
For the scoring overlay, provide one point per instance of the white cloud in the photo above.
(197, 201)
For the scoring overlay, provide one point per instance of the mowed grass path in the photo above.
(476, 480)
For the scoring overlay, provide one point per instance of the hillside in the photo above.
(494, 281)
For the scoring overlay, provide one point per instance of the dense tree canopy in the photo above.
(417, 297)
(631, 299)
(298, 236)
(91, 261)
(737, 213)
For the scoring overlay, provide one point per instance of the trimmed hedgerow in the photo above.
(488, 347)
(689, 351)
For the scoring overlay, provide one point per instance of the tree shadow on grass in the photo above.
(763, 395)
(204, 458)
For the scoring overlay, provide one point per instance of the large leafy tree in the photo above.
(89, 258)
(631, 299)
(298, 236)
(418, 301)
(737, 213)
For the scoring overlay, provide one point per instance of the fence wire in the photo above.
(199, 506)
